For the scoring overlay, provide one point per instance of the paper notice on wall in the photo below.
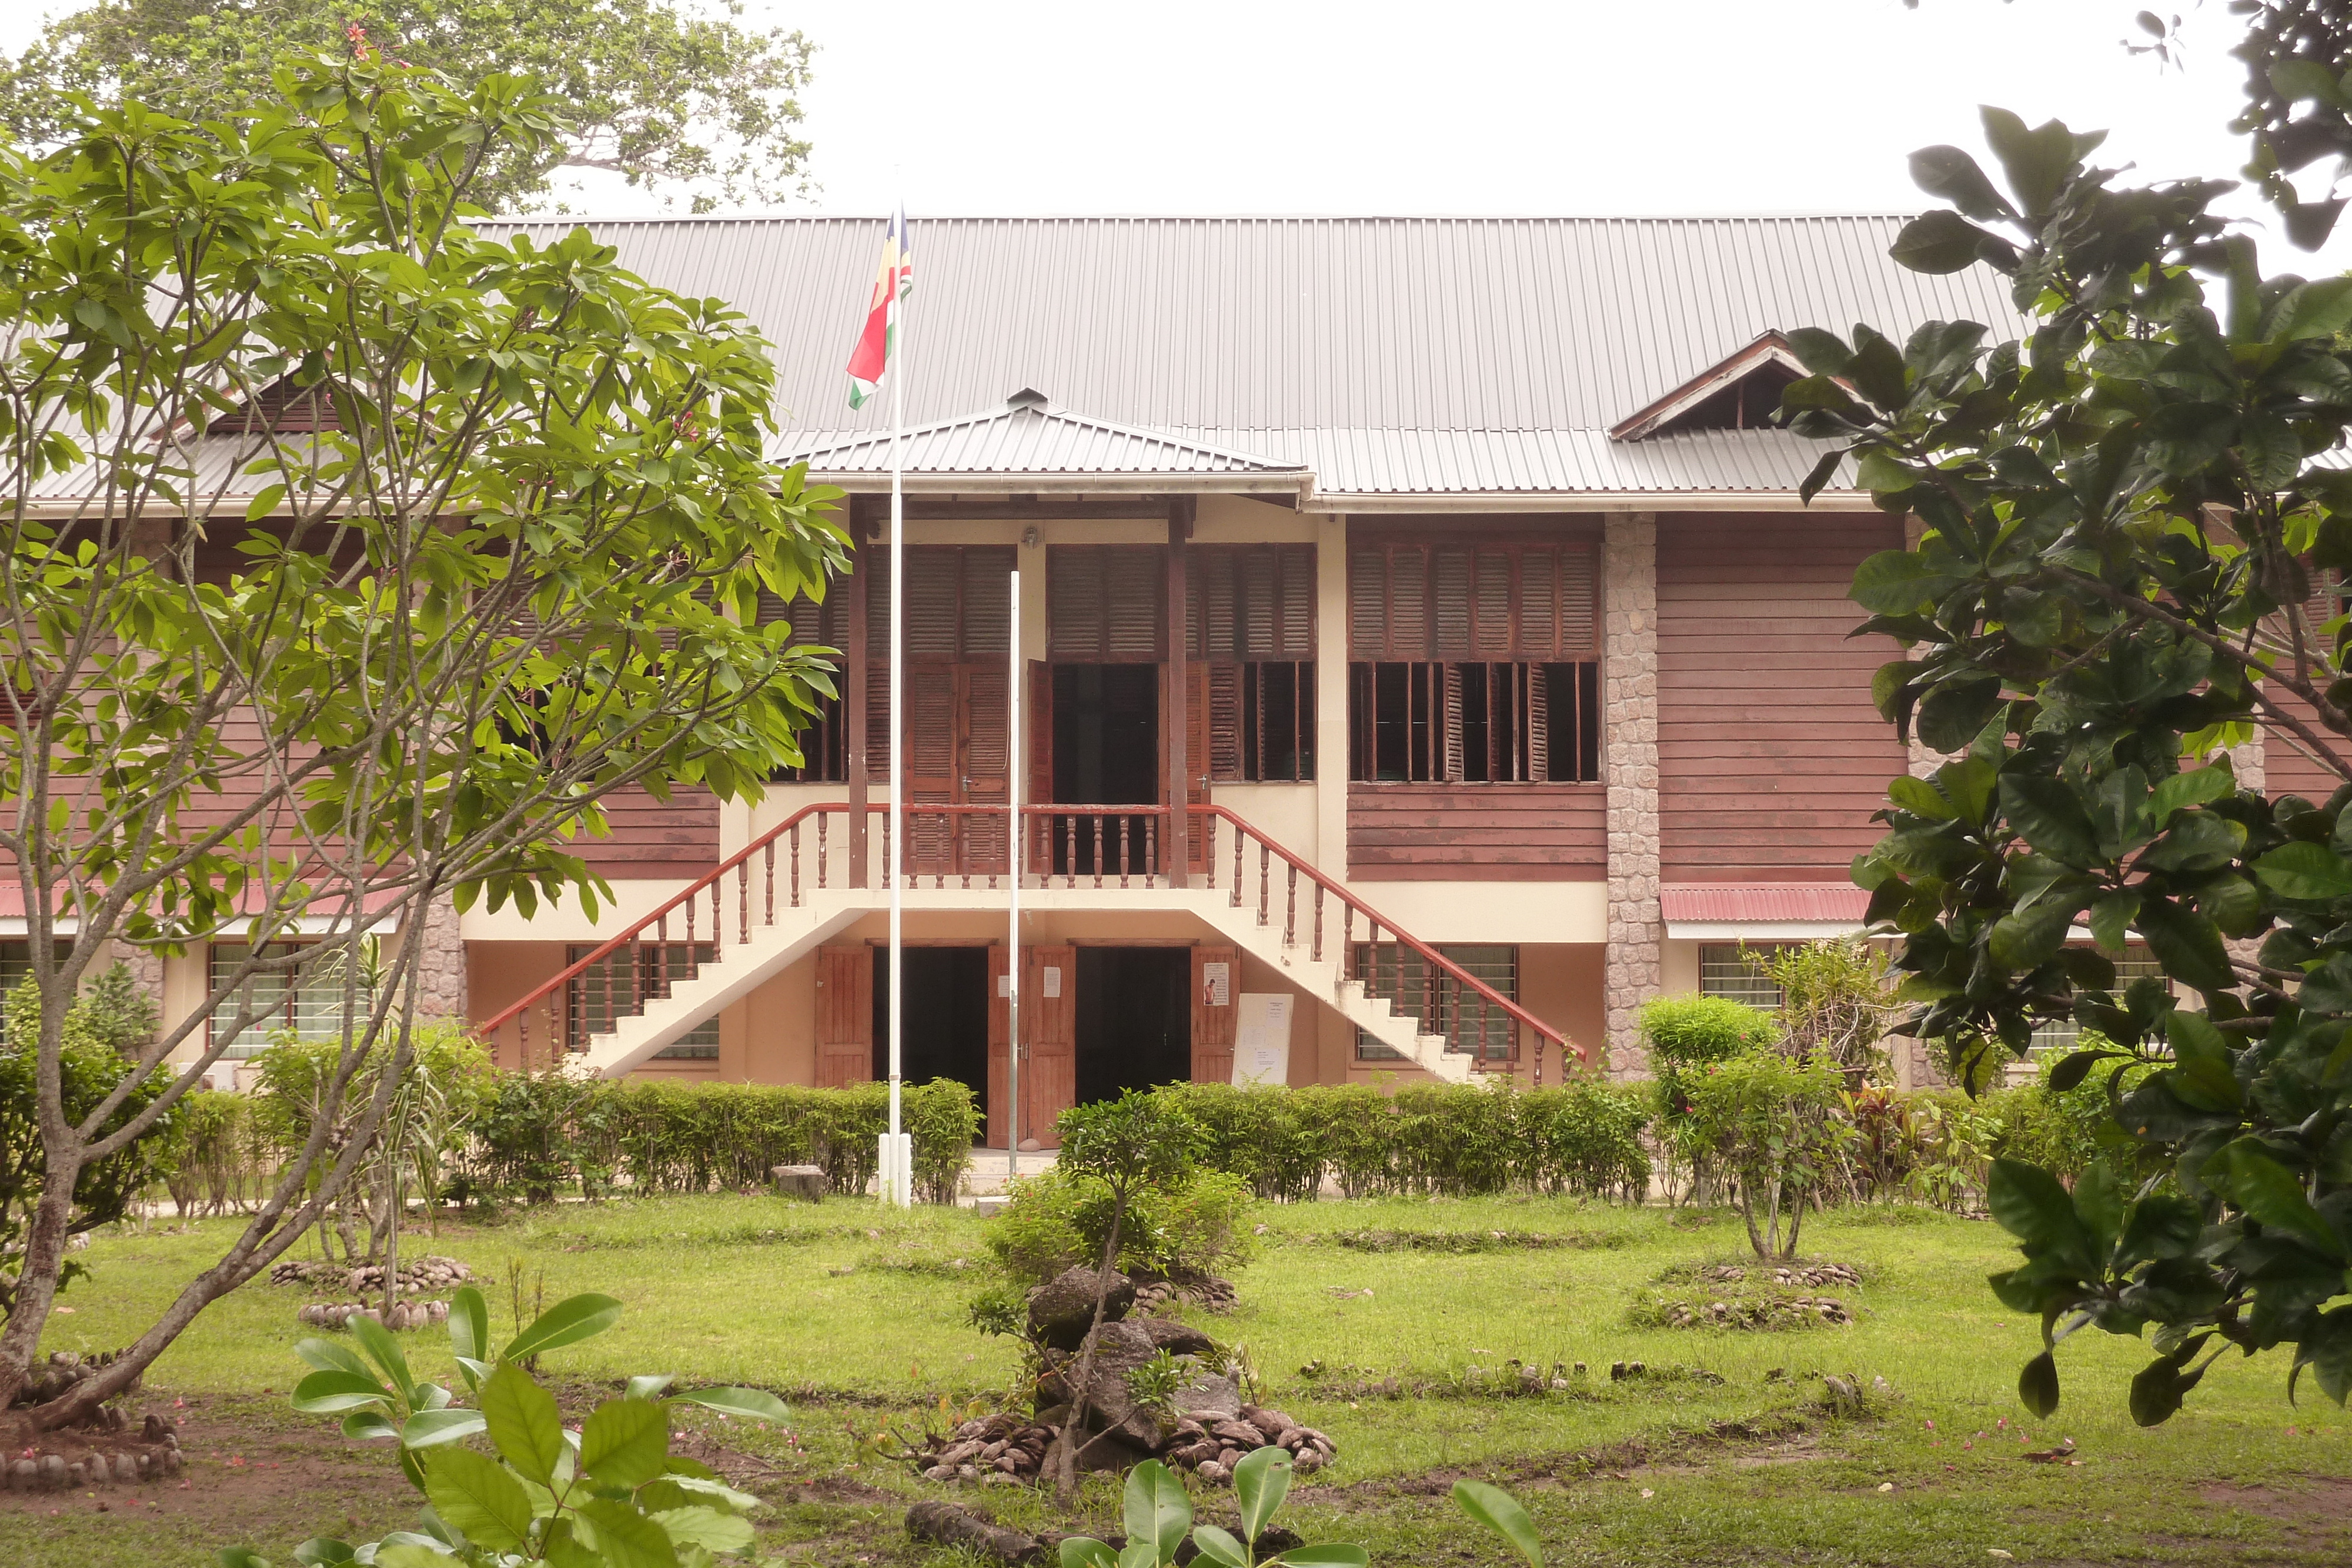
(1053, 982)
(1003, 985)
(1217, 985)
(1261, 1039)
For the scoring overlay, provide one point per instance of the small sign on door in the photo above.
(1003, 985)
(1052, 987)
(1217, 985)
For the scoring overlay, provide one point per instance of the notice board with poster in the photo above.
(1261, 1039)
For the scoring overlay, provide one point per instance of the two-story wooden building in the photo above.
(1416, 617)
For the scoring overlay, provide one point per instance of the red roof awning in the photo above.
(1760, 902)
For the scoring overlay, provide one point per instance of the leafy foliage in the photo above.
(608, 1495)
(1769, 1122)
(90, 1070)
(1184, 1229)
(1835, 1003)
(1159, 1515)
(668, 95)
(254, 674)
(2124, 517)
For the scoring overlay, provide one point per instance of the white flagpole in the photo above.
(898, 1182)
(1012, 924)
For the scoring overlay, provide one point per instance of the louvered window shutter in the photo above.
(1224, 759)
(1450, 603)
(1041, 733)
(1076, 602)
(1538, 689)
(987, 582)
(1297, 640)
(933, 602)
(878, 721)
(1139, 588)
(1580, 605)
(1452, 724)
(1367, 604)
(1106, 603)
(1493, 634)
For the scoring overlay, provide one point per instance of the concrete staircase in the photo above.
(746, 962)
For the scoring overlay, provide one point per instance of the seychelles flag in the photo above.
(893, 282)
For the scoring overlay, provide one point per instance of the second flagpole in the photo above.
(897, 1177)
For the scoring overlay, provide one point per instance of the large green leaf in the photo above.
(476, 1495)
(2031, 938)
(624, 1442)
(381, 1349)
(706, 1526)
(1893, 582)
(751, 1403)
(1157, 1510)
(1327, 1554)
(1949, 174)
(1220, 1547)
(1085, 1552)
(331, 1393)
(2307, 871)
(2037, 1386)
(1943, 241)
(2188, 945)
(2160, 1388)
(1261, 1480)
(566, 1323)
(470, 1325)
(2269, 1193)
(2027, 1202)
(431, 1428)
(1499, 1511)
(2049, 817)
(523, 1422)
(623, 1537)
(2036, 163)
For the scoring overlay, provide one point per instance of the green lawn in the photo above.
(855, 1315)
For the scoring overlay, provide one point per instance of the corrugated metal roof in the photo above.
(1028, 435)
(1393, 355)
(1825, 902)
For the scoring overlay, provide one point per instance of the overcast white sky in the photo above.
(1480, 106)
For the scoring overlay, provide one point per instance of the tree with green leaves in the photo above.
(2127, 519)
(339, 680)
(668, 94)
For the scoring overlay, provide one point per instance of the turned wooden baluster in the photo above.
(718, 924)
(1209, 847)
(1150, 852)
(821, 819)
(1264, 881)
(742, 900)
(1125, 852)
(1238, 868)
(1099, 849)
(1070, 852)
(1290, 910)
(1318, 954)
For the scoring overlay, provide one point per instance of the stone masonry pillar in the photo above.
(1632, 969)
(441, 966)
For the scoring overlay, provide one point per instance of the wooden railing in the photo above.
(1065, 846)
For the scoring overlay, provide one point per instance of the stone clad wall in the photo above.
(1632, 971)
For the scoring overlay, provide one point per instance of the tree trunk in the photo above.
(1066, 1452)
(37, 1278)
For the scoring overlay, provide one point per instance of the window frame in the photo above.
(1497, 1041)
(659, 965)
(317, 981)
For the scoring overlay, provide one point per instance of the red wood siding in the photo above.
(1770, 757)
(653, 838)
(2288, 768)
(1477, 833)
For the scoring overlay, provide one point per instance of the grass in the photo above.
(855, 1315)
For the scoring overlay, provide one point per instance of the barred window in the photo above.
(1735, 971)
(2056, 1033)
(1469, 1021)
(601, 996)
(306, 1002)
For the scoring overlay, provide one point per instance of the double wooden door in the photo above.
(1053, 845)
(957, 756)
(1049, 1043)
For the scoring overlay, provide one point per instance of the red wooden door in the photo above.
(844, 1016)
(1000, 1051)
(1199, 730)
(1049, 1020)
(1040, 761)
(984, 765)
(1216, 979)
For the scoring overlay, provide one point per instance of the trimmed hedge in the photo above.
(536, 1135)
(1458, 1140)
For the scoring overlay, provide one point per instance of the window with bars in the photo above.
(1261, 721)
(1735, 971)
(601, 995)
(1469, 1021)
(307, 1002)
(15, 968)
(1474, 662)
(1429, 723)
(2058, 1033)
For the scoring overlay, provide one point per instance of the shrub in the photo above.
(537, 1134)
(1835, 1003)
(1772, 1124)
(214, 1157)
(1056, 1220)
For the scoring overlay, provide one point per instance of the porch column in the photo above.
(1180, 688)
(853, 690)
(1629, 706)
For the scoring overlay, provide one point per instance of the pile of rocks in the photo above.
(418, 1276)
(1206, 1291)
(404, 1316)
(1800, 1276)
(1756, 1313)
(156, 1456)
(1202, 1425)
(63, 1370)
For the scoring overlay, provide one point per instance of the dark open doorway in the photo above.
(947, 1017)
(1134, 1019)
(1107, 734)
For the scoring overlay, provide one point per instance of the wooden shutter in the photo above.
(984, 627)
(1450, 718)
(987, 764)
(1512, 602)
(931, 766)
(1137, 584)
(1198, 760)
(999, 1108)
(1215, 1014)
(1105, 604)
(1538, 726)
(934, 583)
(1224, 759)
(1049, 1065)
(1296, 605)
(844, 1016)
(1449, 600)
(1041, 752)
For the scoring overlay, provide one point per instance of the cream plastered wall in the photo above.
(1559, 983)
(1522, 912)
(567, 919)
(1678, 968)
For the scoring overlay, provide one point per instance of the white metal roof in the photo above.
(1394, 356)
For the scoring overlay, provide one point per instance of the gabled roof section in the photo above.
(1723, 396)
(1028, 436)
